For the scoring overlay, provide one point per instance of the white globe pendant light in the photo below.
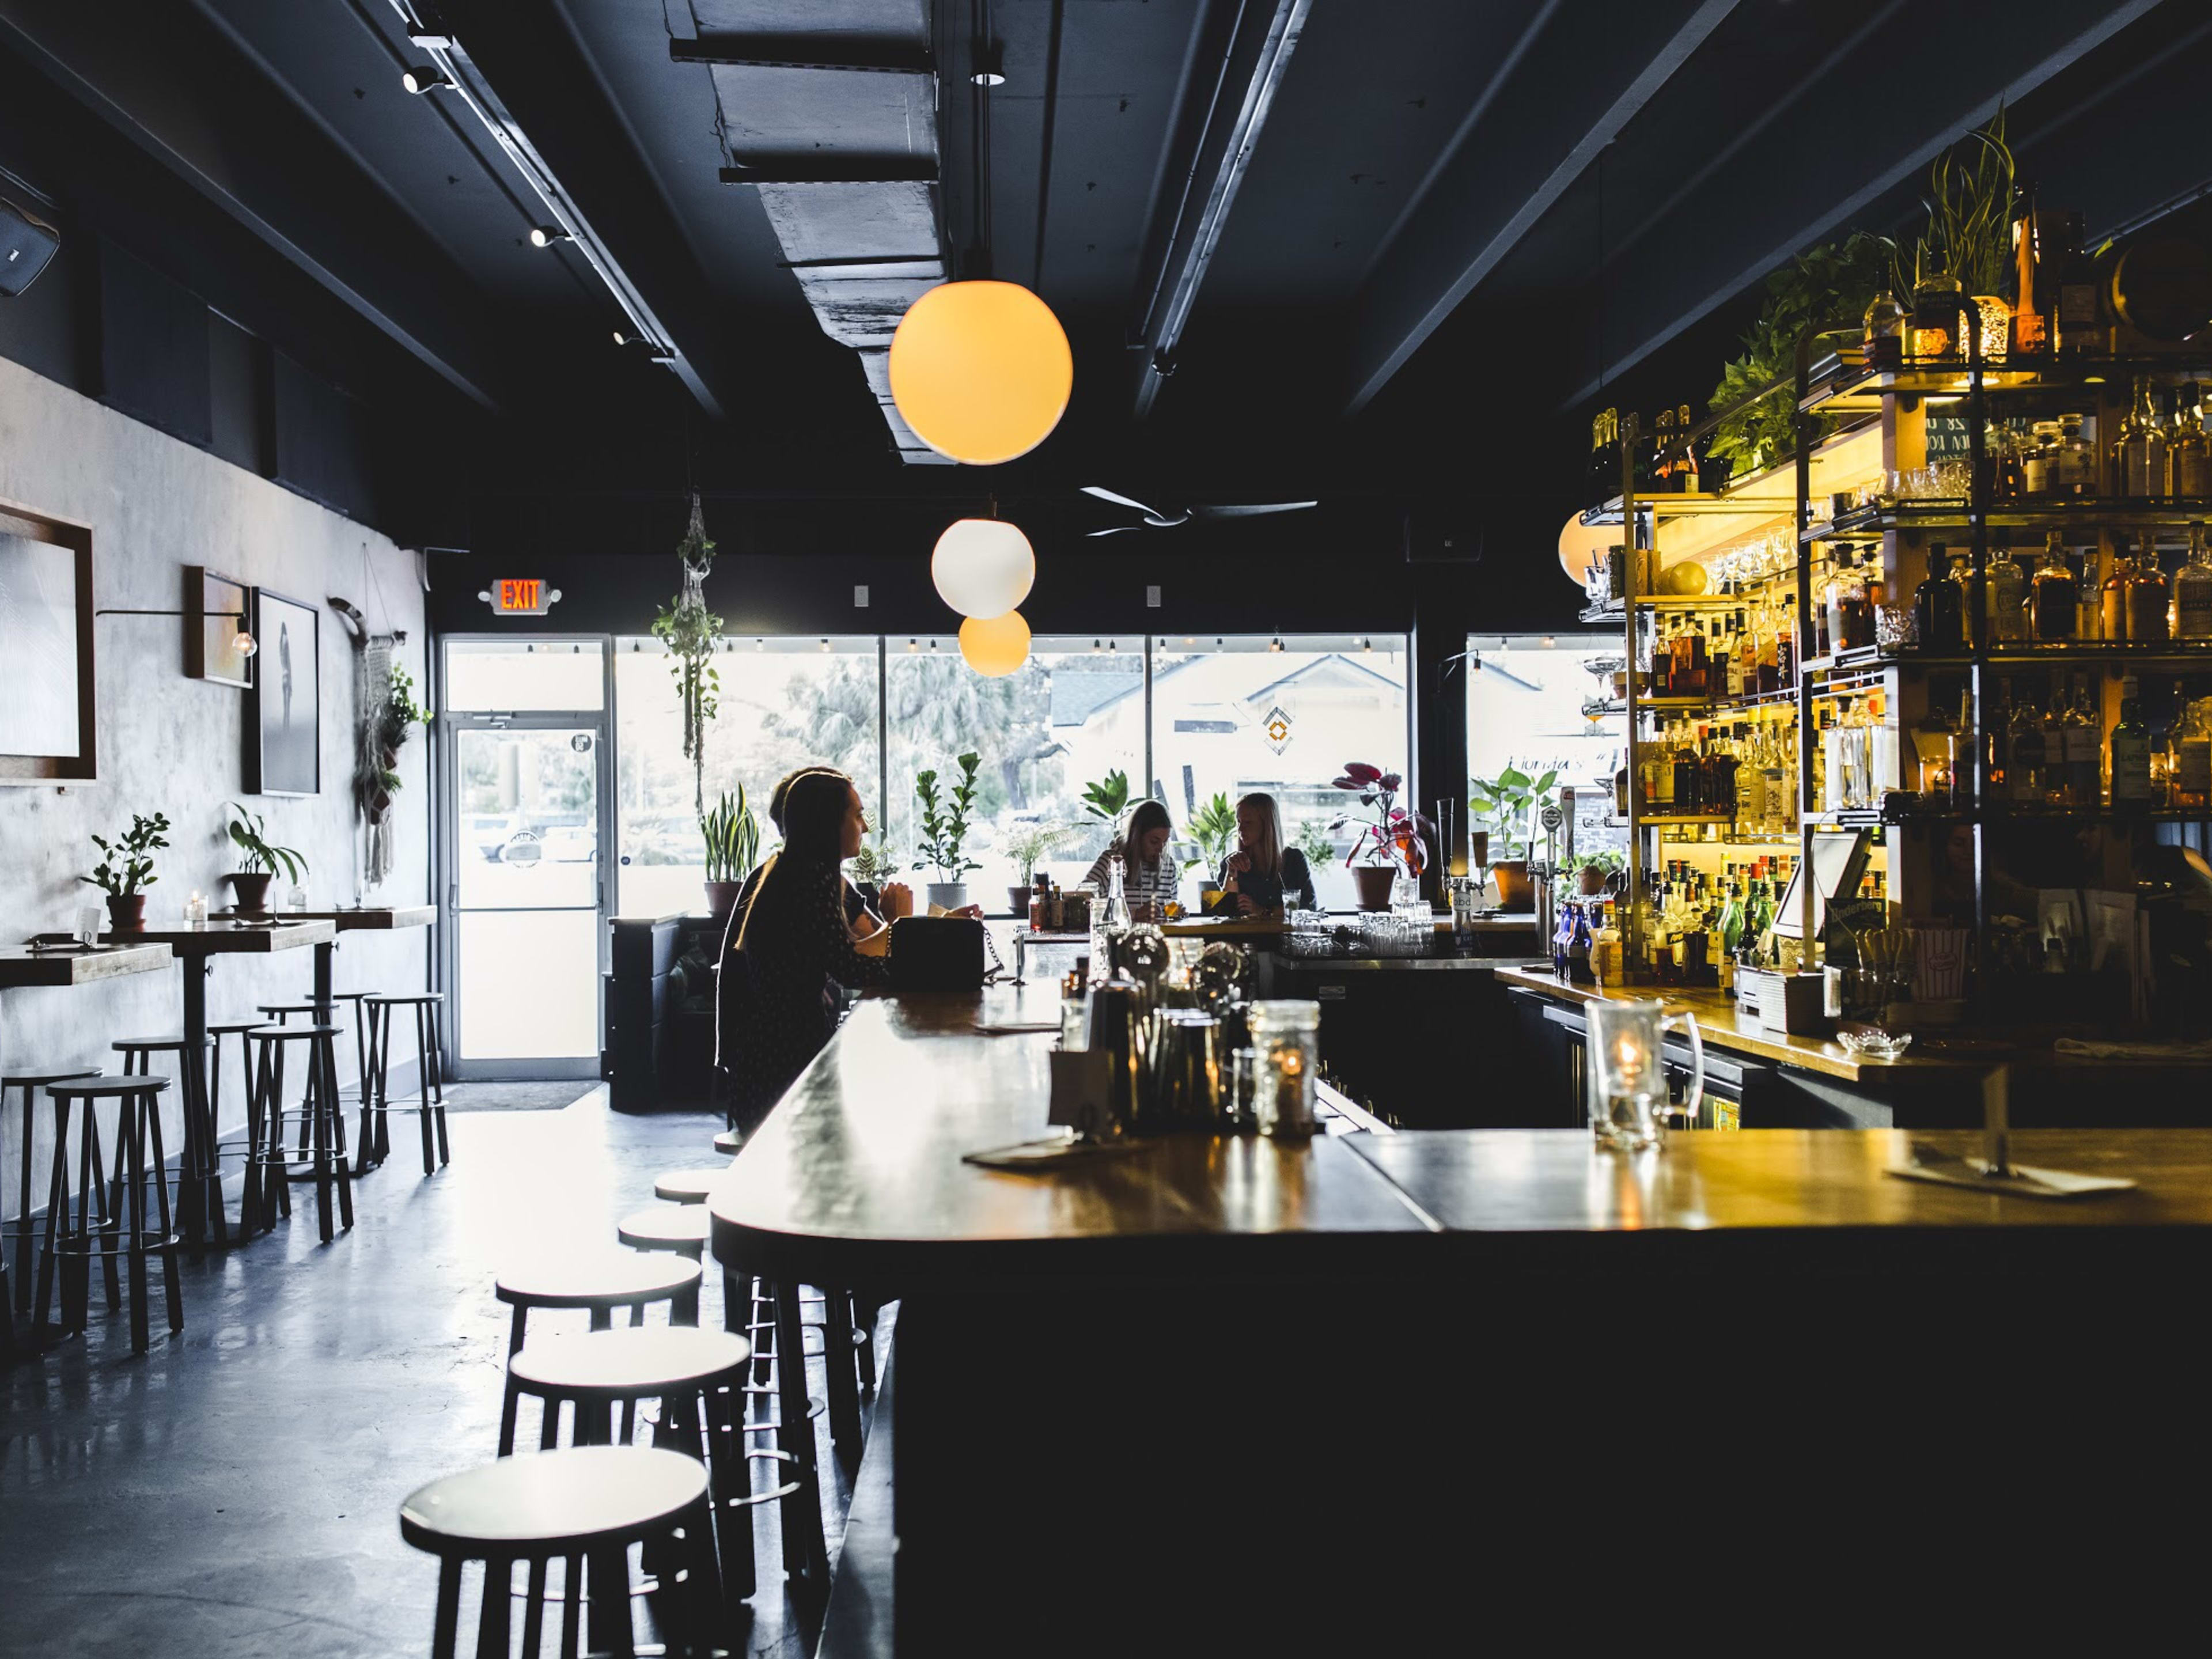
(994, 647)
(980, 370)
(982, 568)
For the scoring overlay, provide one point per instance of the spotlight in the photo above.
(990, 69)
(546, 235)
(419, 78)
(652, 348)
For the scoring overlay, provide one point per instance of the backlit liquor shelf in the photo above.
(1892, 644)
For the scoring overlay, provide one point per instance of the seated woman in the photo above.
(793, 946)
(1256, 876)
(869, 930)
(1148, 875)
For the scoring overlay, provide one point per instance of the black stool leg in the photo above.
(24, 1234)
(341, 1170)
(438, 1076)
(803, 1509)
(130, 1152)
(449, 1609)
(534, 1611)
(422, 1086)
(318, 1109)
(841, 1380)
(58, 1201)
(171, 1292)
(729, 1482)
(498, 1606)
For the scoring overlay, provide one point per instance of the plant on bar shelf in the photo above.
(1386, 846)
(125, 870)
(1504, 804)
(944, 828)
(691, 633)
(1212, 826)
(258, 862)
(732, 837)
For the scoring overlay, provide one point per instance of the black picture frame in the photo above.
(283, 706)
(59, 545)
(215, 607)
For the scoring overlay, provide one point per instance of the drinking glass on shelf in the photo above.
(1894, 628)
(1951, 480)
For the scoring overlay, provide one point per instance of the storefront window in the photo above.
(1541, 703)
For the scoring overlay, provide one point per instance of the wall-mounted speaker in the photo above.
(27, 246)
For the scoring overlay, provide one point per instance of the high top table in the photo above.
(199, 1198)
(359, 919)
(1156, 1385)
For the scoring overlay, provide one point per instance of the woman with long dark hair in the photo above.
(1148, 874)
(794, 947)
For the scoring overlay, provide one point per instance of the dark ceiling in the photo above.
(1457, 219)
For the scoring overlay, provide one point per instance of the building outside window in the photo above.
(1527, 696)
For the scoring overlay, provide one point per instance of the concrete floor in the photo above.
(236, 1490)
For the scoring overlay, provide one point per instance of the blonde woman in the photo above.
(1258, 876)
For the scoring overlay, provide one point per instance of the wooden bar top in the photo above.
(22, 969)
(370, 918)
(857, 1176)
(231, 938)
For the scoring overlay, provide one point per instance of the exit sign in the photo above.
(520, 596)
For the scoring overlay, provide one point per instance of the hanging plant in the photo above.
(691, 632)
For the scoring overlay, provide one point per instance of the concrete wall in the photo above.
(174, 746)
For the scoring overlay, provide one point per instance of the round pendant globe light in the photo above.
(994, 647)
(982, 567)
(980, 371)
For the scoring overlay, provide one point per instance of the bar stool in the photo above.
(281, 1013)
(429, 1040)
(689, 1186)
(137, 1145)
(683, 1229)
(199, 1180)
(730, 1141)
(590, 1503)
(29, 1082)
(697, 1377)
(601, 1283)
(360, 1030)
(268, 1164)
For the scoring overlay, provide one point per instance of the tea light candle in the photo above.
(196, 911)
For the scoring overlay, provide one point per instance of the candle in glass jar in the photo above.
(196, 911)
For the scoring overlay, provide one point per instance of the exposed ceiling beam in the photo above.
(161, 75)
(864, 53)
(1563, 91)
(1796, 184)
(530, 82)
(1215, 132)
(837, 168)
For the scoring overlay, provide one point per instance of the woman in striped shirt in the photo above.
(1148, 874)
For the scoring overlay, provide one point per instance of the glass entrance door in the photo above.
(527, 790)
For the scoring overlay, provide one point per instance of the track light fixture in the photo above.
(990, 69)
(546, 235)
(419, 78)
(652, 348)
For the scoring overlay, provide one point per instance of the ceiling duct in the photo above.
(828, 108)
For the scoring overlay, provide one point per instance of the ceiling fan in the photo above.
(1154, 520)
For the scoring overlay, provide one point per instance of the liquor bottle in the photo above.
(2077, 472)
(1778, 784)
(1664, 480)
(2191, 769)
(1686, 464)
(2148, 620)
(2112, 597)
(2024, 761)
(2192, 590)
(2130, 750)
(2038, 461)
(2054, 594)
(2188, 450)
(2139, 450)
(1602, 477)
(1741, 664)
(1935, 606)
(1884, 336)
(2004, 588)
(2079, 320)
(1785, 646)
(1769, 676)
(2084, 768)
(1939, 316)
(1689, 774)
(1620, 789)
(2057, 781)
(2030, 327)
(1700, 680)
(2003, 465)
(1721, 769)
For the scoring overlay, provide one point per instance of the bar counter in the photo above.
(1432, 1341)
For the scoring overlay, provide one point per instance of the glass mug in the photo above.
(1628, 1072)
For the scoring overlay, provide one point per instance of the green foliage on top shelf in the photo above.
(1970, 203)
(1826, 286)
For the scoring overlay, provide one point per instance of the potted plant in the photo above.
(1212, 827)
(1107, 797)
(259, 863)
(1506, 802)
(732, 835)
(1386, 846)
(1593, 872)
(1026, 843)
(692, 634)
(125, 870)
(872, 867)
(944, 828)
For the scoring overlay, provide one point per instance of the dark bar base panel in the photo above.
(1654, 1458)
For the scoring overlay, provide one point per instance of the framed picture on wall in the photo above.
(217, 610)
(47, 708)
(284, 704)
